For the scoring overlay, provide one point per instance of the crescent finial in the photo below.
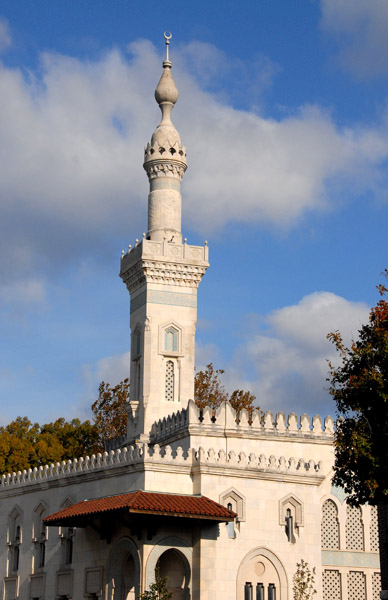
(167, 36)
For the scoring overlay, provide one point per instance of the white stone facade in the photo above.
(273, 472)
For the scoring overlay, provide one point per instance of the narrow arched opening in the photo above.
(173, 565)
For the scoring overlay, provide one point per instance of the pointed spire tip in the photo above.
(167, 36)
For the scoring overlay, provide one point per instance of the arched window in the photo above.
(15, 553)
(136, 343)
(68, 546)
(137, 379)
(170, 381)
(173, 565)
(261, 576)
(171, 339)
(354, 529)
(330, 526)
(40, 536)
(14, 539)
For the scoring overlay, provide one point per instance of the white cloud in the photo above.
(71, 139)
(111, 369)
(361, 29)
(283, 363)
(283, 358)
(290, 355)
(5, 35)
(23, 292)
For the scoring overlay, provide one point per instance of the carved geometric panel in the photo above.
(10, 588)
(65, 583)
(331, 585)
(93, 581)
(376, 586)
(37, 586)
(330, 526)
(374, 531)
(354, 529)
(356, 585)
(169, 381)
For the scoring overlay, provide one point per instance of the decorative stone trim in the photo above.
(93, 581)
(225, 420)
(37, 585)
(162, 262)
(161, 458)
(238, 500)
(165, 169)
(64, 583)
(291, 502)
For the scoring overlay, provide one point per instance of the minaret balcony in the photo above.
(165, 262)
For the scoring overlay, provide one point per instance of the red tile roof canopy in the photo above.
(139, 502)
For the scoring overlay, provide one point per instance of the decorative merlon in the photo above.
(225, 421)
(166, 457)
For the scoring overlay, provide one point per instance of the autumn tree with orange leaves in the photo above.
(110, 417)
(209, 391)
(359, 387)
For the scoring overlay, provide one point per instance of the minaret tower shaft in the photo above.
(162, 275)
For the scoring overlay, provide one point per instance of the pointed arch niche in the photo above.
(123, 575)
(261, 569)
(173, 557)
(14, 538)
(136, 363)
(170, 339)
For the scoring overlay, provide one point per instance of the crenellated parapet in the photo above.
(225, 421)
(165, 457)
(166, 159)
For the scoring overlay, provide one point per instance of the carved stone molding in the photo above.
(169, 273)
(165, 168)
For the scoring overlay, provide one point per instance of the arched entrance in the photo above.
(123, 575)
(172, 565)
(171, 558)
(261, 575)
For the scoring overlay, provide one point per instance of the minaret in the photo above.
(162, 275)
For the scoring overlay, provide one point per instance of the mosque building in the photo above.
(222, 504)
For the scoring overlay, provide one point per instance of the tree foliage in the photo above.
(209, 391)
(303, 582)
(110, 417)
(158, 590)
(26, 445)
(359, 387)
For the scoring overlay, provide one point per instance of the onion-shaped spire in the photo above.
(165, 164)
(166, 94)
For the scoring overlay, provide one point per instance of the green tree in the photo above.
(303, 582)
(359, 386)
(25, 445)
(158, 590)
(110, 417)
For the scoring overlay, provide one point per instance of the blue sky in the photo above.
(283, 109)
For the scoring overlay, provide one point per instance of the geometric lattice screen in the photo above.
(354, 529)
(331, 585)
(376, 586)
(356, 585)
(374, 532)
(170, 381)
(330, 526)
